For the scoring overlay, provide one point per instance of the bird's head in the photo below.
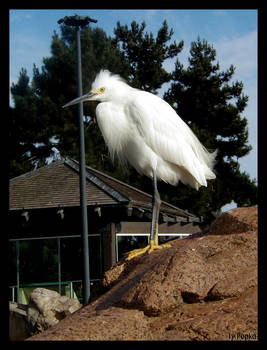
(104, 88)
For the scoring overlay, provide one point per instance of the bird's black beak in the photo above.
(86, 97)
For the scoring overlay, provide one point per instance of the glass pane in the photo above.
(128, 243)
(71, 259)
(11, 266)
(38, 261)
(95, 257)
(71, 262)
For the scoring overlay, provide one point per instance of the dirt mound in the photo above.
(202, 288)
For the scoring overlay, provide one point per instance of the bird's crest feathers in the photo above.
(105, 78)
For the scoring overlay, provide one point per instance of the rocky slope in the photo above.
(202, 288)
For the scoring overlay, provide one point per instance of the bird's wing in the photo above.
(170, 137)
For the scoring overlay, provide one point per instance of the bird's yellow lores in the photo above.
(144, 130)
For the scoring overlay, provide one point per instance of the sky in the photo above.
(233, 34)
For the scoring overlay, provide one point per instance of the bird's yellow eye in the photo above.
(101, 90)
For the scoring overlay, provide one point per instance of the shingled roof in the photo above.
(57, 184)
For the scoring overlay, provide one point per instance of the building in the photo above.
(45, 245)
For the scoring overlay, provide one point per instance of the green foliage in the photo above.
(28, 127)
(145, 55)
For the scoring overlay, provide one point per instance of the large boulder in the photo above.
(47, 308)
(202, 288)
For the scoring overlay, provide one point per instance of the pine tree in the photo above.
(205, 99)
(145, 54)
(29, 137)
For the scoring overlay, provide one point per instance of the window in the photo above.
(52, 261)
(38, 261)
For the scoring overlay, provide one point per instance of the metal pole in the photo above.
(81, 21)
(86, 272)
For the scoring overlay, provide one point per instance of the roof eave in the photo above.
(96, 181)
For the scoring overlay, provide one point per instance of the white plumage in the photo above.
(144, 130)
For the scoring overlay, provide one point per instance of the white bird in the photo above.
(144, 130)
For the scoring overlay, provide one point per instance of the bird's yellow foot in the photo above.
(153, 245)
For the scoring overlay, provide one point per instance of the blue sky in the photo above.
(233, 33)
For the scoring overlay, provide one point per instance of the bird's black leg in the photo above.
(155, 210)
(153, 243)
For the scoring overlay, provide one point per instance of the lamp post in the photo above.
(80, 22)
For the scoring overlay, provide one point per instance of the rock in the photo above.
(202, 288)
(47, 308)
(234, 284)
(236, 221)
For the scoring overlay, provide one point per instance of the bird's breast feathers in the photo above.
(114, 127)
(147, 122)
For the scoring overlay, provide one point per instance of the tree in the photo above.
(145, 55)
(203, 96)
(29, 137)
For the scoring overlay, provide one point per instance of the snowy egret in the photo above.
(144, 130)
